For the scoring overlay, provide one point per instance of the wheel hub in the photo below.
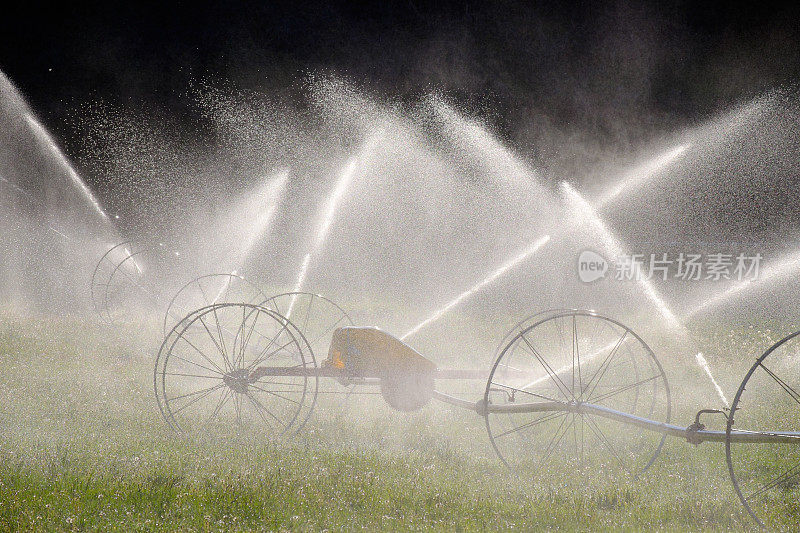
(238, 380)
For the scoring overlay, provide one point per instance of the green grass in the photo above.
(82, 447)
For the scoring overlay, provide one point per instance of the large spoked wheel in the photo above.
(315, 315)
(207, 290)
(573, 358)
(236, 365)
(766, 475)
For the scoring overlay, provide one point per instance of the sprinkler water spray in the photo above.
(641, 174)
(41, 133)
(701, 360)
(263, 206)
(505, 267)
(772, 273)
(474, 138)
(29, 197)
(345, 178)
(613, 246)
(476, 135)
(585, 210)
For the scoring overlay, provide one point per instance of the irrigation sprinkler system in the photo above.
(613, 246)
(564, 384)
(508, 265)
(636, 177)
(44, 137)
(345, 178)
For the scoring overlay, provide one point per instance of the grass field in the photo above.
(83, 447)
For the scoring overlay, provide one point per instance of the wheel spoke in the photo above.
(623, 389)
(219, 329)
(783, 478)
(542, 419)
(308, 313)
(226, 394)
(246, 343)
(277, 395)
(263, 357)
(259, 412)
(577, 357)
(213, 387)
(604, 366)
(228, 366)
(191, 375)
(259, 404)
(204, 356)
(236, 354)
(206, 299)
(284, 328)
(553, 444)
(549, 370)
(597, 431)
(173, 354)
(195, 400)
(541, 396)
(785, 386)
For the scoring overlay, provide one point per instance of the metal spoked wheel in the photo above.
(117, 282)
(766, 476)
(207, 290)
(576, 357)
(315, 315)
(209, 372)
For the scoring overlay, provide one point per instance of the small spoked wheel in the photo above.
(766, 474)
(553, 379)
(117, 283)
(239, 365)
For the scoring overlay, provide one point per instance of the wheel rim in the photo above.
(117, 282)
(208, 290)
(766, 476)
(576, 356)
(315, 315)
(203, 377)
(523, 324)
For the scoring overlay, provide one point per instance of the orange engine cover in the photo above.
(370, 352)
(406, 377)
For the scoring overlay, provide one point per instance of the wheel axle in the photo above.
(238, 380)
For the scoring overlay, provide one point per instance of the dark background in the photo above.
(575, 88)
(611, 74)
